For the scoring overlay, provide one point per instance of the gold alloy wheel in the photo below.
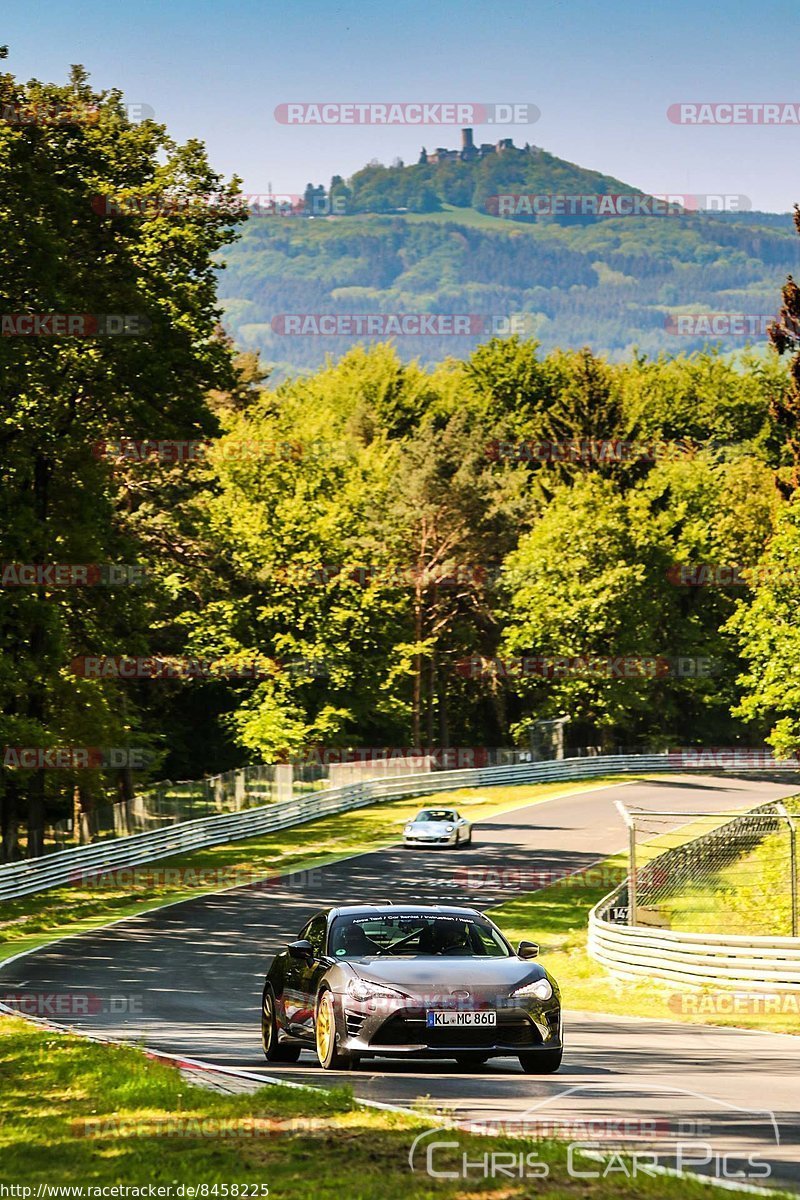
(267, 1025)
(324, 1028)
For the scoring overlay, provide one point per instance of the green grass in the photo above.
(75, 1112)
(33, 921)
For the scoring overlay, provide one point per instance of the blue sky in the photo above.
(603, 76)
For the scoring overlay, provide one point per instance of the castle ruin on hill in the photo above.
(469, 152)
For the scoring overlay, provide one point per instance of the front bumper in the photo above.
(368, 1028)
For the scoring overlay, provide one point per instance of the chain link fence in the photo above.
(736, 875)
(171, 803)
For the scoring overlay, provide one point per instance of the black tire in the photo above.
(541, 1062)
(328, 1053)
(273, 1050)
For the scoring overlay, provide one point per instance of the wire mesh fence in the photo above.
(718, 874)
(171, 803)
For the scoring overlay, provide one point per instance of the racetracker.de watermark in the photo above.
(737, 112)
(624, 666)
(400, 324)
(719, 324)
(70, 1004)
(81, 325)
(65, 575)
(187, 1125)
(727, 757)
(208, 879)
(450, 758)
(514, 879)
(736, 1003)
(445, 576)
(77, 758)
(409, 112)
(132, 666)
(586, 451)
(55, 113)
(613, 204)
(173, 450)
(251, 204)
(723, 575)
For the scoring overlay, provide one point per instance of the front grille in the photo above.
(509, 1031)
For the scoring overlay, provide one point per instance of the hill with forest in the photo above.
(430, 238)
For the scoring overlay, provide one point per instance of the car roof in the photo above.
(433, 909)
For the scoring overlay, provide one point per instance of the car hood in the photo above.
(471, 974)
(433, 828)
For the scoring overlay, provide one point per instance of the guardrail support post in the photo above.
(790, 821)
(632, 880)
(283, 782)
(793, 868)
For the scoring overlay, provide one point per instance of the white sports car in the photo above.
(438, 827)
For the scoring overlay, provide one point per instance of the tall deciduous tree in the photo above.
(98, 215)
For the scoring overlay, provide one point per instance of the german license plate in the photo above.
(435, 1019)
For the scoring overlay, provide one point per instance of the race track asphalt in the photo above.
(187, 980)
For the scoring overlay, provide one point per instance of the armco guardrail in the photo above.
(67, 866)
(39, 874)
(731, 960)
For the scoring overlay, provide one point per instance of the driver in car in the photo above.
(449, 937)
(352, 942)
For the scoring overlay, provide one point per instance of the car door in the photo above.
(311, 972)
(293, 993)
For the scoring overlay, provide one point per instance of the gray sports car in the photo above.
(424, 981)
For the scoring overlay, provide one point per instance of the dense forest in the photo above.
(381, 552)
(428, 239)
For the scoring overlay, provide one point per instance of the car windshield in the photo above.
(436, 814)
(419, 935)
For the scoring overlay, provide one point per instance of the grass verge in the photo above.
(33, 921)
(75, 1112)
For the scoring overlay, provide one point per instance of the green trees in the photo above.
(68, 156)
(768, 633)
(367, 553)
(420, 545)
(767, 629)
(599, 578)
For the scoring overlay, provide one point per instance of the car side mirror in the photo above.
(527, 950)
(301, 949)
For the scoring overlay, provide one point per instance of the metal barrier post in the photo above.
(792, 861)
(632, 880)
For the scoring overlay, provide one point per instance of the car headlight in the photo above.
(449, 828)
(542, 989)
(362, 989)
